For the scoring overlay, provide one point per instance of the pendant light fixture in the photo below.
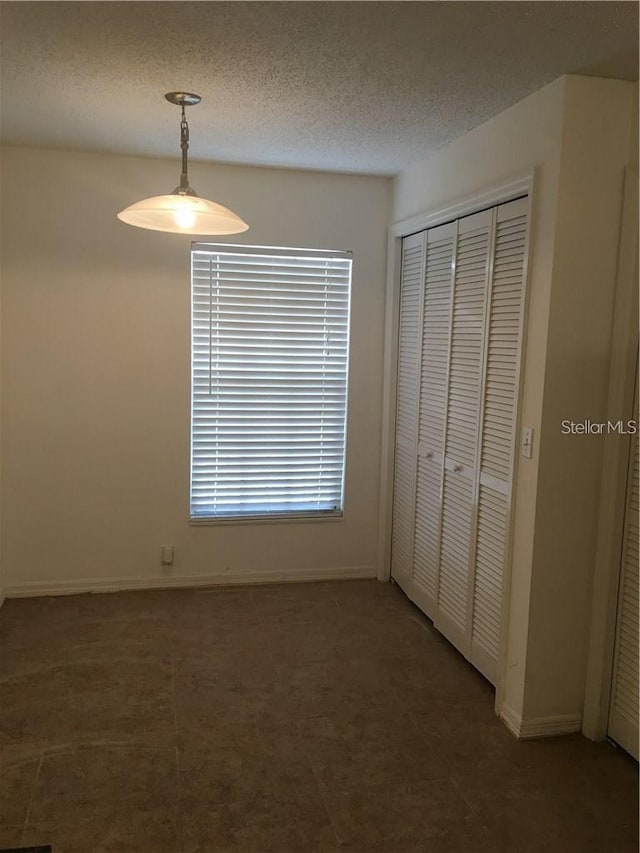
(183, 211)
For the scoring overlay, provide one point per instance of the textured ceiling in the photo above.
(354, 86)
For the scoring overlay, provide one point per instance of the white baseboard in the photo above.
(561, 724)
(511, 720)
(71, 587)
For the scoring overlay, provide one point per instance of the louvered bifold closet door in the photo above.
(438, 290)
(498, 427)
(462, 423)
(409, 334)
(623, 713)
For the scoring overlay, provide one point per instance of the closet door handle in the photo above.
(457, 469)
(429, 454)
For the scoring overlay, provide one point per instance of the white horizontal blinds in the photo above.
(623, 718)
(438, 290)
(270, 331)
(406, 406)
(498, 429)
(463, 405)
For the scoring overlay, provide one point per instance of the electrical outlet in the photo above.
(168, 553)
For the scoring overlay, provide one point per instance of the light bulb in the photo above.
(184, 217)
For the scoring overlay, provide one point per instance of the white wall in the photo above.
(95, 381)
(596, 132)
(524, 137)
(575, 135)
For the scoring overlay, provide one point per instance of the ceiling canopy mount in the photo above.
(183, 99)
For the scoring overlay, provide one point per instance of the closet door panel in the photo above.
(435, 337)
(409, 335)
(462, 422)
(497, 431)
(453, 581)
(409, 338)
(623, 714)
(426, 557)
(467, 338)
(489, 563)
(438, 287)
(402, 530)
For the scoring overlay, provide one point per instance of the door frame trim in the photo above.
(615, 464)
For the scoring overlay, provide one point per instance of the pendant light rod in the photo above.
(182, 100)
(184, 144)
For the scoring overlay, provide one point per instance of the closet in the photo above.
(623, 710)
(460, 330)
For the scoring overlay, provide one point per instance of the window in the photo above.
(270, 338)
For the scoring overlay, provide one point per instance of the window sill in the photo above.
(266, 519)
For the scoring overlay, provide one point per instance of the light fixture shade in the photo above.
(183, 214)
